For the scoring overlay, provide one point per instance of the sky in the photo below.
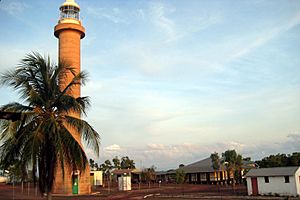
(173, 81)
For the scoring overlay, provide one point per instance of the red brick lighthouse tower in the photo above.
(69, 32)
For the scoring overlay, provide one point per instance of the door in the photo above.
(75, 184)
(254, 186)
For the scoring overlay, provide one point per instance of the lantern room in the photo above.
(69, 12)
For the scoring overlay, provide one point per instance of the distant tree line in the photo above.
(280, 160)
(116, 163)
(107, 166)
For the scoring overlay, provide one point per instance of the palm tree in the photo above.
(117, 162)
(127, 163)
(232, 161)
(215, 159)
(148, 175)
(42, 139)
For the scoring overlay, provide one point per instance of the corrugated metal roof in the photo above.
(204, 166)
(165, 172)
(127, 171)
(201, 166)
(274, 171)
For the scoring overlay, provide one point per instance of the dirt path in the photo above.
(164, 192)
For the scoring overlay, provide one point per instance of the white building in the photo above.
(96, 178)
(284, 181)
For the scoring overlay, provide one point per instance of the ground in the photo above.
(163, 192)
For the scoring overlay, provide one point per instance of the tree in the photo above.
(233, 162)
(238, 172)
(294, 159)
(10, 116)
(280, 160)
(96, 166)
(215, 159)
(248, 159)
(92, 163)
(42, 139)
(117, 163)
(148, 175)
(127, 163)
(180, 176)
(106, 167)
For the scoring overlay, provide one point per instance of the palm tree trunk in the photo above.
(233, 182)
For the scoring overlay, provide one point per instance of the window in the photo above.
(286, 179)
(267, 179)
(193, 177)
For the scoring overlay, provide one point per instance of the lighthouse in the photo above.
(69, 32)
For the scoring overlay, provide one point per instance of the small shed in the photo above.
(133, 173)
(96, 178)
(284, 181)
(124, 178)
(124, 183)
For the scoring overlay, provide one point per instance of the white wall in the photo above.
(297, 179)
(277, 185)
(97, 178)
(249, 186)
(124, 183)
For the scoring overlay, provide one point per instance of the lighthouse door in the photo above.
(75, 184)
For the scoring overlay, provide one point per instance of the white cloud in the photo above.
(167, 156)
(113, 148)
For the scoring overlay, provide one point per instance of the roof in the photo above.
(204, 166)
(172, 171)
(200, 166)
(274, 171)
(70, 3)
(125, 171)
(249, 165)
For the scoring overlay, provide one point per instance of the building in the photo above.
(196, 173)
(134, 174)
(202, 172)
(96, 178)
(69, 32)
(3, 176)
(166, 176)
(284, 181)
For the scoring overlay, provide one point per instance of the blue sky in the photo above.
(173, 81)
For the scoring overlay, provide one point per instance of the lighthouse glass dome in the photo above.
(69, 12)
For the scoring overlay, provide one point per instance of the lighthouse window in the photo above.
(69, 12)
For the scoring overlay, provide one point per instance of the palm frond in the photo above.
(72, 150)
(88, 133)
